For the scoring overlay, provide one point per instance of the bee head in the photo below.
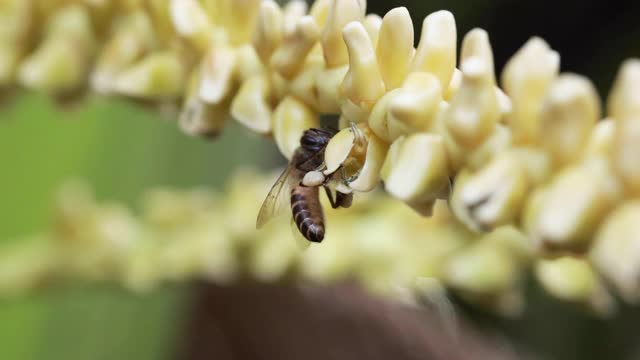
(315, 140)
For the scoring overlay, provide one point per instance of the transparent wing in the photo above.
(300, 240)
(278, 198)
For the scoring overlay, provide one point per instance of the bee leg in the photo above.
(333, 203)
(344, 200)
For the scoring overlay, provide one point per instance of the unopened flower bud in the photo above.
(526, 79)
(341, 13)
(394, 50)
(436, 51)
(290, 119)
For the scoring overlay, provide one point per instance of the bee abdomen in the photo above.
(307, 212)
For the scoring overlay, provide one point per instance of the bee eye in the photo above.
(314, 140)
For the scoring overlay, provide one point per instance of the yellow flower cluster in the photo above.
(383, 245)
(533, 155)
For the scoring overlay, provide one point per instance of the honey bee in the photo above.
(300, 183)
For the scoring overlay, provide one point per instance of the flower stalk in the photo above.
(533, 155)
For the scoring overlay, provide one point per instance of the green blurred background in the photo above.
(123, 148)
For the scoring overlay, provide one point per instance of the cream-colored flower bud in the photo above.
(454, 84)
(526, 79)
(248, 63)
(200, 248)
(168, 210)
(439, 241)
(242, 20)
(625, 109)
(159, 13)
(53, 68)
(293, 11)
(514, 240)
(504, 102)
(570, 111)
(362, 84)
(378, 119)
(251, 106)
(616, 253)
(17, 21)
(289, 58)
(198, 117)
(217, 70)
(414, 107)
(372, 24)
(218, 11)
(377, 248)
(290, 119)
(139, 272)
(157, 76)
(328, 83)
(213, 256)
(498, 142)
(320, 11)
(10, 56)
(352, 113)
(71, 20)
(436, 51)
(476, 44)
(493, 196)
(368, 176)
(394, 50)
(415, 169)
(332, 260)
(601, 139)
(271, 258)
(103, 239)
(341, 13)
(568, 211)
(74, 202)
(17, 16)
(486, 273)
(455, 153)
(474, 112)
(27, 264)
(191, 22)
(575, 280)
(624, 100)
(269, 30)
(359, 154)
(304, 85)
(132, 38)
(61, 62)
(347, 141)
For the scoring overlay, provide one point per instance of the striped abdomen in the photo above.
(307, 212)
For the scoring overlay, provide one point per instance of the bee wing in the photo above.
(278, 198)
(300, 240)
